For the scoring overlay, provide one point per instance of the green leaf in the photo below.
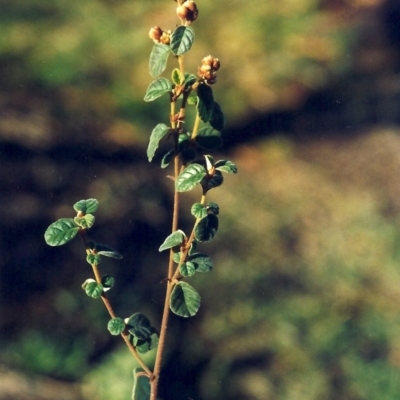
(201, 262)
(167, 158)
(208, 138)
(174, 239)
(107, 251)
(187, 269)
(86, 206)
(190, 177)
(156, 135)
(184, 301)
(143, 346)
(207, 228)
(85, 222)
(190, 80)
(92, 288)
(226, 166)
(108, 282)
(177, 77)
(116, 326)
(61, 232)
(158, 59)
(181, 40)
(141, 385)
(205, 102)
(157, 88)
(198, 210)
(139, 326)
(217, 120)
(93, 259)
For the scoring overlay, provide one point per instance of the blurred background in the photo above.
(303, 302)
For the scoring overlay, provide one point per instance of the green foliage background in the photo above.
(303, 300)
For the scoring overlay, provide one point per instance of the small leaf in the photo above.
(107, 251)
(217, 120)
(167, 158)
(212, 208)
(157, 88)
(205, 103)
(139, 326)
(190, 177)
(201, 262)
(176, 256)
(207, 228)
(144, 346)
(158, 59)
(174, 239)
(181, 40)
(208, 138)
(61, 232)
(86, 206)
(226, 166)
(156, 135)
(108, 282)
(93, 259)
(190, 80)
(141, 385)
(116, 326)
(184, 301)
(85, 222)
(198, 210)
(177, 77)
(187, 269)
(92, 288)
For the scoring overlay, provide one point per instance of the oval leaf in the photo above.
(158, 59)
(174, 239)
(93, 259)
(156, 135)
(187, 269)
(85, 222)
(226, 166)
(116, 326)
(207, 228)
(157, 88)
(61, 232)
(198, 210)
(208, 138)
(184, 301)
(86, 206)
(181, 40)
(92, 288)
(201, 262)
(205, 102)
(190, 177)
(177, 77)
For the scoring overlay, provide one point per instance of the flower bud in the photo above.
(155, 34)
(207, 71)
(188, 11)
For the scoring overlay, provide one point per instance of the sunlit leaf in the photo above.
(177, 77)
(198, 210)
(174, 239)
(181, 40)
(158, 59)
(187, 269)
(201, 262)
(190, 177)
(86, 206)
(93, 259)
(156, 135)
(61, 232)
(226, 166)
(157, 88)
(184, 301)
(85, 222)
(92, 288)
(116, 326)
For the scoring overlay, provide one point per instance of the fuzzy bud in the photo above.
(187, 11)
(155, 34)
(208, 68)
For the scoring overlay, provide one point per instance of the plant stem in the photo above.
(170, 285)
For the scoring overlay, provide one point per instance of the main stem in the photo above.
(170, 285)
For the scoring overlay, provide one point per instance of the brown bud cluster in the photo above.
(187, 11)
(207, 71)
(159, 36)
